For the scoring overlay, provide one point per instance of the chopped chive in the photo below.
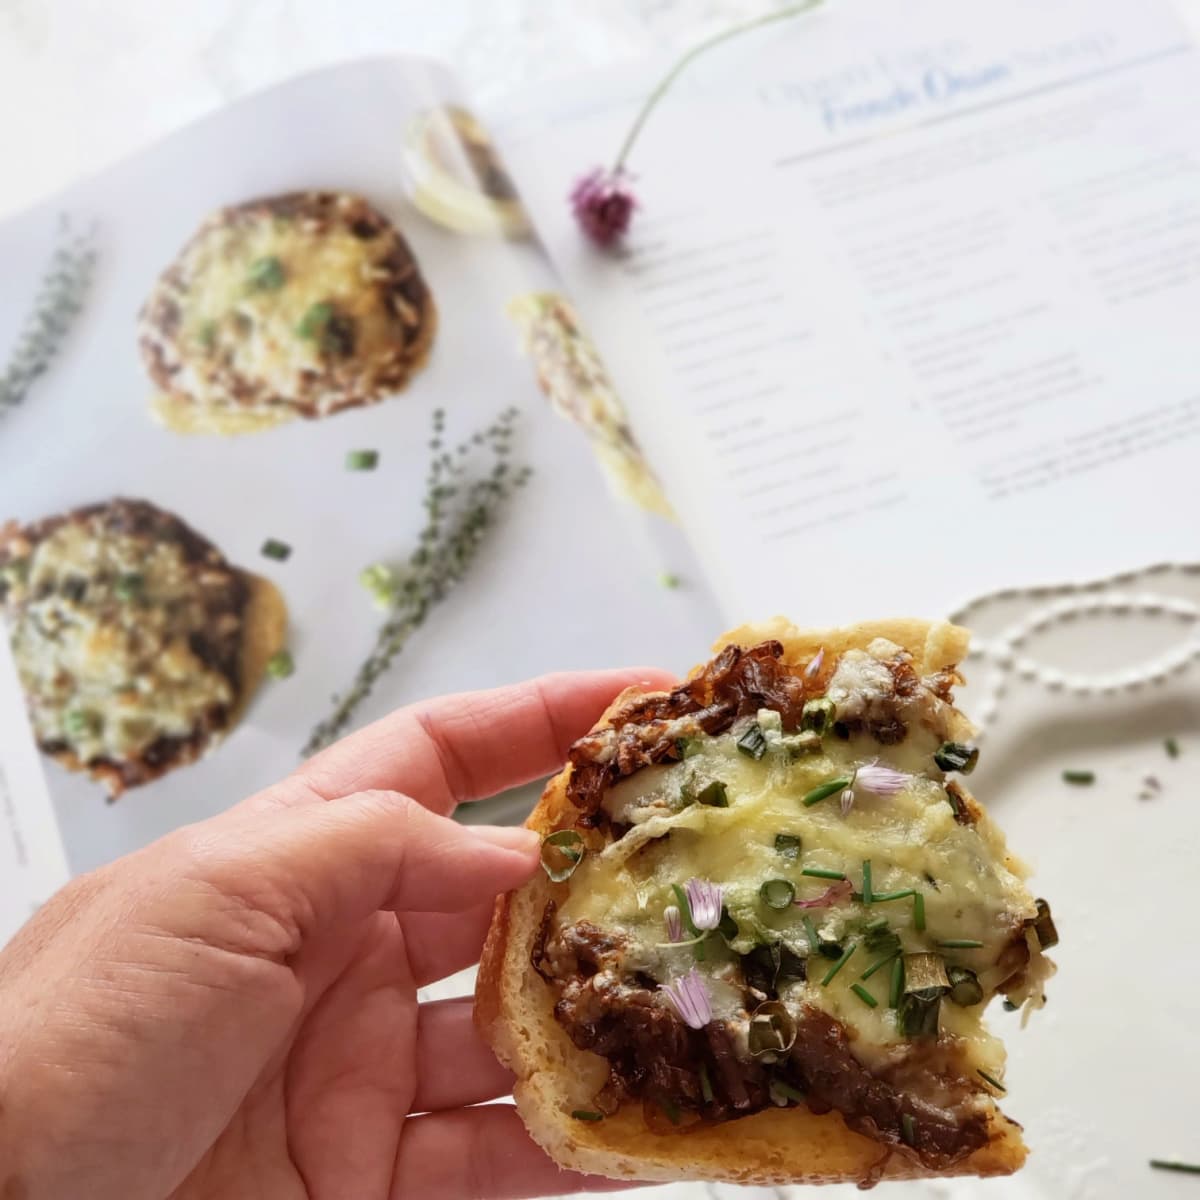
(705, 1084)
(562, 852)
(824, 790)
(362, 460)
(991, 1079)
(777, 893)
(1082, 778)
(787, 1090)
(866, 883)
(1172, 747)
(865, 996)
(896, 990)
(959, 944)
(668, 580)
(129, 586)
(752, 743)
(80, 720)
(908, 1130)
(788, 845)
(277, 550)
(821, 873)
(714, 795)
(841, 962)
(818, 715)
(1171, 1164)
(281, 664)
(265, 274)
(954, 756)
(583, 1114)
(884, 897)
(878, 964)
(919, 912)
(810, 932)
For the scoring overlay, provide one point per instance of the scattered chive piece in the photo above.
(786, 1089)
(265, 274)
(129, 586)
(831, 950)
(753, 743)
(1172, 747)
(841, 962)
(713, 795)
(788, 845)
(705, 1085)
(1171, 1164)
(562, 852)
(668, 580)
(960, 944)
(884, 897)
(362, 460)
(315, 319)
(277, 550)
(821, 873)
(954, 756)
(991, 1079)
(865, 996)
(281, 664)
(685, 913)
(80, 720)
(810, 932)
(824, 790)
(777, 893)
(897, 984)
(866, 883)
(1079, 777)
(818, 715)
(919, 912)
(883, 962)
(583, 1114)
(907, 1129)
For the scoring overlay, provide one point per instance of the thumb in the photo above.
(318, 865)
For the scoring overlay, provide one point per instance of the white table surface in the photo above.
(84, 83)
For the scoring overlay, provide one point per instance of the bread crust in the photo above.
(514, 1013)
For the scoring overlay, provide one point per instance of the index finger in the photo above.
(465, 746)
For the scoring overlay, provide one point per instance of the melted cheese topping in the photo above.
(101, 641)
(971, 889)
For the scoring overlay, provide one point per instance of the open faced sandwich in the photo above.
(770, 921)
(137, 645)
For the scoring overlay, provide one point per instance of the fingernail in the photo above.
(507, 837)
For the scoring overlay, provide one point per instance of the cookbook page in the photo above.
(226, 465)
(907, 307)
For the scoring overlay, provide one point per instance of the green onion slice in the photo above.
(824, 790)
(777, 893)
(788, 845)
(918, 1011)
(924, 971)
(865, 996)
(714, 795)
(752, 743)
(818, 715)
(954, 756)
(562, 852)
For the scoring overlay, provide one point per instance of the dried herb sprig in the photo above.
(58, 301)
(461, 505)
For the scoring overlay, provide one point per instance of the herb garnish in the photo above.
(810, 932)
(821, 873)
(954, 756)
(786, 1090)
(865, 996)
(824, 790)
(705, 1085)
(959, 944)
(866, 882)
(1171, 1164)
(841, 962)
(265, 274)
(713, 794)
(272, 548)
(896, 991)
(56, 303)
(561, 853)
(458, 517)
(362, 460)
(281, 664)
(1172, 747)
(883, 962)
(583, 1114)
(1082, 778)
(908, 1131)
(787, 845)
(991, 1079)
(818, 715)
(919, 912)
(777, 893)
(753, 742)
(129, 586)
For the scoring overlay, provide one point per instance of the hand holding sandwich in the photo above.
(232, 1011)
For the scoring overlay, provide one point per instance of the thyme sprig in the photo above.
(58, 301)
(461, 505)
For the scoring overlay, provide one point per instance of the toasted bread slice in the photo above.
(636, 779)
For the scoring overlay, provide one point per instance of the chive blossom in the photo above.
(824, 790)
(362, 460)
(1080, 778)
(272, 548)
(865, 996)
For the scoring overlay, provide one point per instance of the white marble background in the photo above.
(85, 82)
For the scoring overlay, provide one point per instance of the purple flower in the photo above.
(881, 781)
(834, 894)
(704, 900)
(674, 924)
(814, 667)
(690, 999)
(603, 204)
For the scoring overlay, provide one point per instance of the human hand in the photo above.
(231, 1012)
